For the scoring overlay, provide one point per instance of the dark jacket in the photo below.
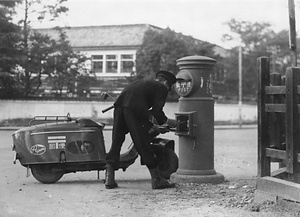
(142, 96)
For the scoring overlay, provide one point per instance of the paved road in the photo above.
(235, 158)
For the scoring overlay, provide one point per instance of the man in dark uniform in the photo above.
(131, 115)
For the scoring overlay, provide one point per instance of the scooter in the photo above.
(52, 146)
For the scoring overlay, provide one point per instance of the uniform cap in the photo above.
(169, 76)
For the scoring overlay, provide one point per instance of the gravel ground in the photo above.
(82, 195)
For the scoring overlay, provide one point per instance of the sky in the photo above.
(202, 19)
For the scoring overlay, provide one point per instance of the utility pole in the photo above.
(240, 86)
(292, 21)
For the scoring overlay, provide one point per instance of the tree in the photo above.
(65, 66)
(279, 52)
(161, 49)
(32, 70)
(30, 64)
(256, 40)
(9, 38)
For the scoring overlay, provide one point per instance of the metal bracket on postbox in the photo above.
(185, 123)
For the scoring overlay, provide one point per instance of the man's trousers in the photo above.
(126, 121)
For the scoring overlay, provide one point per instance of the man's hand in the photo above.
(154, 130)
(171, 123)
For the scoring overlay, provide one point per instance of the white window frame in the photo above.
(97, 60)
(126, 60)
(118, 54)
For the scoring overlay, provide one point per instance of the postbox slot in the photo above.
(182, 123)
(185, 126)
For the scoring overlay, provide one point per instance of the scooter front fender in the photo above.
(158, 145)
(164, 149)
(128, 158)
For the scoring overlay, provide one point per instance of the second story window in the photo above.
(111, 64)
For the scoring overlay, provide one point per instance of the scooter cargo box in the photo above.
(60, 142)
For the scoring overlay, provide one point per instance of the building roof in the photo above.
(110, 37)
(103, 36)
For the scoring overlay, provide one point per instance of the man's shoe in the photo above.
(111, 186)
(110, 177)
(162, 184)
(159, 182)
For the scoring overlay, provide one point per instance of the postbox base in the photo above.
(214, 179)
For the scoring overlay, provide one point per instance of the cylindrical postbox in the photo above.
(195, 121)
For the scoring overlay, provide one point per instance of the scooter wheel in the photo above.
(44, 173)
(168, 164)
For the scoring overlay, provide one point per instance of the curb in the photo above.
(217, 127)
(240, 127)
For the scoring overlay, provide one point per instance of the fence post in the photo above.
(263, 117)
(276, 120)
(292, 120)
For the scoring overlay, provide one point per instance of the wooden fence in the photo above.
(278, 121)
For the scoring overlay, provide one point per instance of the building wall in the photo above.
(11, 109)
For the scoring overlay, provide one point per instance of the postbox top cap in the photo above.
(169, 76)
(183, 77)
(195, 61)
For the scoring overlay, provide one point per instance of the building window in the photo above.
(111, 64)
(127, 63)
(97, 63)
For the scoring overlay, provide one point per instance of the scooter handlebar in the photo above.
(165, 129)
(107, 109)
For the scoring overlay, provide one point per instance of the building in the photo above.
(111, 49)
